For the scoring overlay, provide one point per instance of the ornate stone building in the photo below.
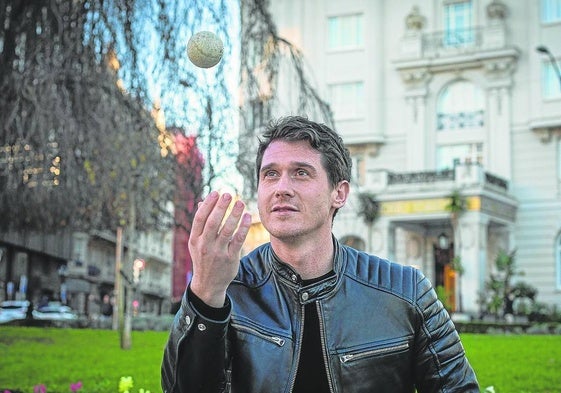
(434, 97)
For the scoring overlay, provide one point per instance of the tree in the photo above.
(269, 62)
(369, 210)
(502, 292)
(78, 138)
(456, 207)
(79, 81)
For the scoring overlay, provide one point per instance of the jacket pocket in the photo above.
(381, 367)
(260, 359)
(279, 341)
(385, 350)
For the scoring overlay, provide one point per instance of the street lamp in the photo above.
(137, 268)
(543, 49)
(443, 241)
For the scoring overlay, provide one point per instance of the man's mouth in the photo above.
(282, 209)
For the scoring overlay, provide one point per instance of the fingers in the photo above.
(213, 224)
(230, 224)
(215, 243)
(202, 214)
(239, 237)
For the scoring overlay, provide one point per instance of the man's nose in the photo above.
(284, 185)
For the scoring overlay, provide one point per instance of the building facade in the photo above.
(79, 269)
(441, 97)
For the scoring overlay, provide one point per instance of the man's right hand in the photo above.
(215, 249)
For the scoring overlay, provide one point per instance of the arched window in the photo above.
(460, 131)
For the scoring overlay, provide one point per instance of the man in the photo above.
(304, 313)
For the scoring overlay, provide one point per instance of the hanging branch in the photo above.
(267, 60)
(76, 106)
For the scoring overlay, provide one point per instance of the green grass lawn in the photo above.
(59, 357)
(516, 363)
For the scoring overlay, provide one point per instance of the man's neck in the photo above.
(309, 259)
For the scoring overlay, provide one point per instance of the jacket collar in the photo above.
(319, 289)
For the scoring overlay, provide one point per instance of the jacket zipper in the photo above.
(355, 356)
(274, 339)
(299, 343)
(324, 348)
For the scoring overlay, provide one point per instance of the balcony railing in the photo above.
(452, 40)
(463, 175)
(450, 43)
(420, 177)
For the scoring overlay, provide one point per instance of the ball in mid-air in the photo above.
(205, 49)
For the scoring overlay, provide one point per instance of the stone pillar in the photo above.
(382, 243)
(499, 80)
(415, 123)
(471, 244)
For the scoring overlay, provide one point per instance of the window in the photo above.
(551, 11)
(460, 121)
(460, 105)
(449, 156)
(458, 24)
(345, 32)
(347, 100)
(551, 80)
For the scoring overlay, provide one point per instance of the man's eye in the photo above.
(270, 174)
(301, 172)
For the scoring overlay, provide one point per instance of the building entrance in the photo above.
(444, 275)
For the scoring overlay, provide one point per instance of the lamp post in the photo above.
(443, 241)
(123, 283)
(544, 50)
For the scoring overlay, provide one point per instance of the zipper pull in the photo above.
(277, 340)
(346, 358)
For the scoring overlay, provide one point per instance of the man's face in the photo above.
(294, 197)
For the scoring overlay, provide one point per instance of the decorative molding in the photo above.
(414, 21)
(545, 134)
(500, 68)
(546, 130)
(416, 77)
(497, 10)
(364, 148)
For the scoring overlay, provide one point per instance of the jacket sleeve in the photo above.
(441, 364)
(194, 357)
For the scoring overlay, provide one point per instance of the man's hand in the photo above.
(215, 250)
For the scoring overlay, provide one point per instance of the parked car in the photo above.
(11, 310)
(55, 311)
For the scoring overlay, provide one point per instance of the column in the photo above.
(498, 116)
(415, 122)
(382, 242)
(471, 247)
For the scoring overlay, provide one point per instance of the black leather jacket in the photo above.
(382, 330)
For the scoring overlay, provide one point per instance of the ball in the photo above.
(205, 49)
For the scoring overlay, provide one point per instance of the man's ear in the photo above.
(341, 192)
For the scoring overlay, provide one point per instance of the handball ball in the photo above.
(205, 49)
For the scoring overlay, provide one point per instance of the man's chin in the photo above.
(281, 232)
